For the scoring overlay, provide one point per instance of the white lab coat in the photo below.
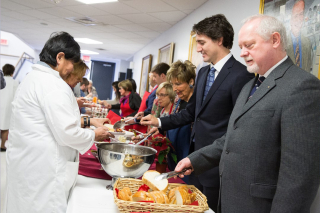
(6, 97)
(44, 141)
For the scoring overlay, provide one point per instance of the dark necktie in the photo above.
(297, 53)
(210, 80)
(256, 86)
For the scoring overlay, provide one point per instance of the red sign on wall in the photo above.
(4, 42)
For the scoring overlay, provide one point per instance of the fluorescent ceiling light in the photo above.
(87, 41)
(89, 52)
(95, 1)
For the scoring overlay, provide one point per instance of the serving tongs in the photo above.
(170, 174)
(143, 140)
(120, 124)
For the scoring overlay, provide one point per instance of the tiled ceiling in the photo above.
(126, 25)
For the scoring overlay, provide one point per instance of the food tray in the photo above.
(134, 184)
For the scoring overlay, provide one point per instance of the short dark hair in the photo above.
(84, 81)
(134, 85)
(160, 68)
(216, 27)
(8, 69)
(60, 42)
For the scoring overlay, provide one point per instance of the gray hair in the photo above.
(269, 25)
(90, 81)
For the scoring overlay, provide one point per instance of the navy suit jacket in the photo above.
(212, 116)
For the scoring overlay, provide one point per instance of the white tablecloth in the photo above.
(91, 195)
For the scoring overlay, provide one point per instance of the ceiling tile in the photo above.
(64, 22)
(86, 10)
(150, 34)
(140, 18)
(141, 40)
(169, 16)
(159, 27)
(128, 35)
(187, 11)
(38, 14)
(18, 15)
(133, 27)
(185, 4)
(148, 6)
(64, 3)
(36, 4)
(86, 29)
(116, 8)
(111, 19)
(109, 28)
(12, 5)
(60, 12)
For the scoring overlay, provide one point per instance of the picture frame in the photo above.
(302, 22)
(193, 56)
(165, 53)
(145, 70)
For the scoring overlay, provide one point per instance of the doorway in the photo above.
(102, 75)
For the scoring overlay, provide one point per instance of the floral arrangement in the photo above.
(163, 146)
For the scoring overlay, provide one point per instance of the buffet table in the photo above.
(91, 195)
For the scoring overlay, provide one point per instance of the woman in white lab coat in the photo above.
(45, 133)
(6, 97)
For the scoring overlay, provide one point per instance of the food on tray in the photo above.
(118, 130)
(180, 195)
(125, 194)
(109, 126)
(122, 138)
(148, 178)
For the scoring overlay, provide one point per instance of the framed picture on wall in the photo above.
(302, 22)
(193, 55)
(144, 79)
(165, 54)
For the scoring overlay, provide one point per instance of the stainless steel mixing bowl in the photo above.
(125, 160)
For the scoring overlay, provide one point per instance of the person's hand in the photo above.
(103, 102)
(98, 122)
(184, 163)
(101, 133)
(129, 122)
(136, 139)
(149, 120)
(139, 115)
(81, 101)
(108, 106)
(153, 130)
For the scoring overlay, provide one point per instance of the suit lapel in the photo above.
(264, 89)
(202, 80)
(224, 72)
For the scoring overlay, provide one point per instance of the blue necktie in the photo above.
(210, 80)
(256, 86)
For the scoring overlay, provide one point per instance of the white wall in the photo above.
(235, 11)
(15, 47)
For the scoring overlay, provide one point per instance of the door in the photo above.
(102, 75)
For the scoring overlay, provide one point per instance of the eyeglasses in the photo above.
(162, 95)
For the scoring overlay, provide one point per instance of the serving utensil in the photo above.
(120, 124)
(143, 140)
(170, 174)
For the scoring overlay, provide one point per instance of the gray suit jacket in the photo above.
(270, 156)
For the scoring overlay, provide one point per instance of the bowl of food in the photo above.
(125, 160)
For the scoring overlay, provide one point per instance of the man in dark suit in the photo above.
(216, 90)
(270, 156)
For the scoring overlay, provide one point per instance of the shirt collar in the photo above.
(218, 66)
(272, 68)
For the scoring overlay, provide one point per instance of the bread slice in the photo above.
(156, 185)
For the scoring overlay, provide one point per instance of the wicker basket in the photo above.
(134, 184)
